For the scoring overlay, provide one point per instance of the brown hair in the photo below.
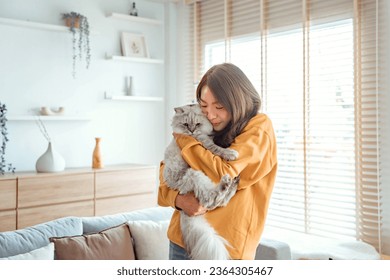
(233, 90)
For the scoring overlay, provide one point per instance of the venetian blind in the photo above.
(316, 66)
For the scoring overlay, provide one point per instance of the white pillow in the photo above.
(44, 253)
(150, 239)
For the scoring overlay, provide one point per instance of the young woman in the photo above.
(231, 103)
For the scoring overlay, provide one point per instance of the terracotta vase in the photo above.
(97, 155)
(50, 161)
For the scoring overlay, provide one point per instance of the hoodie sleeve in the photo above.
(166, 196)
(257, 155)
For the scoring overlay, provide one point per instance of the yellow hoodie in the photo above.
(242, 221)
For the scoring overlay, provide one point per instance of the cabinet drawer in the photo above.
(7, 194)
(108, 206)
(125, 182)
(35, 191)
(7, 220)
(35, 215)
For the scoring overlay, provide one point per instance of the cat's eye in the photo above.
(198, 124)
(186, 124)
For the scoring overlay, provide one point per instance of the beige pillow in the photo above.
(110, 244)
(150, 239)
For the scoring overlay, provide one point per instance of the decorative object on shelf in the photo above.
(76, 21)
(129, 85)
(4, 138)
(45, 111)
(134, 45)
(51, 160)
(133, 10)
(97, 155)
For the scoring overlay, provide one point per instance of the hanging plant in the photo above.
(4, 140)
(78, 23)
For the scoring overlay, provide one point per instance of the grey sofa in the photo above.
(25, 240)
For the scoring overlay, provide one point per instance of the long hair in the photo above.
(234, 91)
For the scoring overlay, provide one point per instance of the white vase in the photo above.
(50, 161)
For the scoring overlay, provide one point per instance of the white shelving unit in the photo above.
(134, 59)
(46, 118)
(134, 18)
(141, 20)
(32, 24)
(133, 98)
(37, 25)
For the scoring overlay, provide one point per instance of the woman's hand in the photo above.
(189, 204)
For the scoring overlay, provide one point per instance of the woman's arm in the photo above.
(188, 203)
(256, 148)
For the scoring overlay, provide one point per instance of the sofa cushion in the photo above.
(321, 248)
(96, 224)
(44, 253)
(270, 249)
(110, 244)
(150, 239)
(25, 240)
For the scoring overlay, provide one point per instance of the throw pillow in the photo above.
(150, 239)
(44, 253)
(110, 244)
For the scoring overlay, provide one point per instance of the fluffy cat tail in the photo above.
(201, 240)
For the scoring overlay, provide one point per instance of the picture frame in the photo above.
(134, 45)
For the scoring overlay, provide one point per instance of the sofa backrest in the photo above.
(25, 240)
(96, 224)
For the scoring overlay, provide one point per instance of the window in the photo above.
(315, 64)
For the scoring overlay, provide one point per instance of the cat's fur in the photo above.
(201, 240)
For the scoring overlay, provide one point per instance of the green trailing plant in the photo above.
(78, 25)
(4, 139)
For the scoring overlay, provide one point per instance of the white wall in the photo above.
(36, 71)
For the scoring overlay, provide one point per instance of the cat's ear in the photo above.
(179, 110)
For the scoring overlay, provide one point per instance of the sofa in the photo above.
(139, 235)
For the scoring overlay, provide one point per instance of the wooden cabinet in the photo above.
(35, 215)
(33, 198)
(133, 189)
(7, 204)
(45, 190)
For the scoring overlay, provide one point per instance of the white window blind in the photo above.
(315, 64)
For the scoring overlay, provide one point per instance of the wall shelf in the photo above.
(46, 118)
(31, 24)
(134, 18)
(133, 98)
(134, 59)
(36, 25)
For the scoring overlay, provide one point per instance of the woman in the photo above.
(231, 103)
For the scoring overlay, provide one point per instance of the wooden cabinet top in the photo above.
(76, 170)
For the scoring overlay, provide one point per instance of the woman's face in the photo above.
(214, 111)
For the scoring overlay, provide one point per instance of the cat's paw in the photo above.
(228, 188)
(229, 154)
(228, 183)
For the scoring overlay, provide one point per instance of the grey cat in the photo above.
(200, 239)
